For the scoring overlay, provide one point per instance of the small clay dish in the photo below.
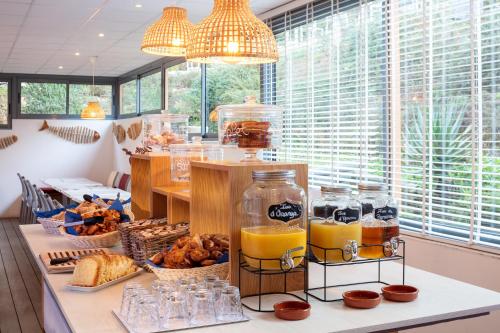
(399, 293)
(361, 299)
(292, 310)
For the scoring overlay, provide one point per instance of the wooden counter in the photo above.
(441, 299)
(172, 202)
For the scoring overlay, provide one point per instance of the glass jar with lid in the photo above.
(379, 220)
(274, 225)
(335, 224)
(162, 130)
(250, 126)
(181, 156)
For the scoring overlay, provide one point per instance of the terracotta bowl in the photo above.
(361, 299)
(399, 293)
(292, 310)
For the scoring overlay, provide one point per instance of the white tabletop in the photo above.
(75, 188)
(104, 192)
(61, 184)
(440, 298)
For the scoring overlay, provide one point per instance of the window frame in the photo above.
(119, 96)
(17, 79)
(162, 92)
(9, 80)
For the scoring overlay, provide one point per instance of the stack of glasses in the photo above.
(181, 304)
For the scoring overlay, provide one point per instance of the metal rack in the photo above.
(347, 260)
(261, 273)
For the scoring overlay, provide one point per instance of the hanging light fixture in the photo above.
(169, 35)
(232, 34)
(93, 110)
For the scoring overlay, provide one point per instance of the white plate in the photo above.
(104, 285)
(130, 330)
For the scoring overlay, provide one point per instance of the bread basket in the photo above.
(109, 239)
(51, 226)
(170, 274)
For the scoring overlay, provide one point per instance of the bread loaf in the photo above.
(95, 270)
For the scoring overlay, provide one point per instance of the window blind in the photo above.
(400, 92)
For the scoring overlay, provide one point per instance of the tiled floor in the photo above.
(20, 283)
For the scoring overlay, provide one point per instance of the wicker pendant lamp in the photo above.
(232, 34)
(93, 110)
(169, 35)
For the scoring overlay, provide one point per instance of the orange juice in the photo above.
(329, 235)
(271, 242)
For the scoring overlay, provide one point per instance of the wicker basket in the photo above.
(51, 226)
(220, 270)
(109, 239)
(126, 230)
(146, 243)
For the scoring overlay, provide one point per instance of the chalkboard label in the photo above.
(285, 211)
(386, 213)
(347, 215)
(367, 208)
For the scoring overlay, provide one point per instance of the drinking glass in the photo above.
(229, 305)
(177, 315)
(135, 305)
(157, 284)
(209, 281)
(184, 283)
(219, 286)
(190, 292)
(202, 311)
(163, 294)
(128, 290)
(147, 318)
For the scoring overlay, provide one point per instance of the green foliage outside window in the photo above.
(43, 98)
(151, 92)
(128, 97)
(4, 103)
(81, 94)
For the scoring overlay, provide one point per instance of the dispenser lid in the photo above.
(250, 106)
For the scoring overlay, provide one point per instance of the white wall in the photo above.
(38, 155)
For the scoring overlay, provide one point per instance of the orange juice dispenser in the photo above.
(273, 233)
(335, 224)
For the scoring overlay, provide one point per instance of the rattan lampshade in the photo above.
(169, 35)
(232, 34)
(93, 111)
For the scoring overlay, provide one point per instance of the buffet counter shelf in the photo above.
(441, 299)
(179, 192)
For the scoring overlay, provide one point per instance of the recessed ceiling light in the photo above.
(101, 35)
(77, 53)
(138, 5)
(60, 67)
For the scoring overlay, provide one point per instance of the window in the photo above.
(389, 91)
(229, 84)
(81, 94)
(183, 86)
(4, 103)
(128, 97)
(43, 98)
(150, 92)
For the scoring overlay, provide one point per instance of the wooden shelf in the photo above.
(179, 192)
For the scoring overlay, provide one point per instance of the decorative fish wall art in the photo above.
(134, 130)
(7, 141)
(75, 134)
(119, 133)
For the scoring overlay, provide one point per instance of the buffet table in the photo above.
(441, 299)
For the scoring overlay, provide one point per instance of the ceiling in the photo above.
(42, 36)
